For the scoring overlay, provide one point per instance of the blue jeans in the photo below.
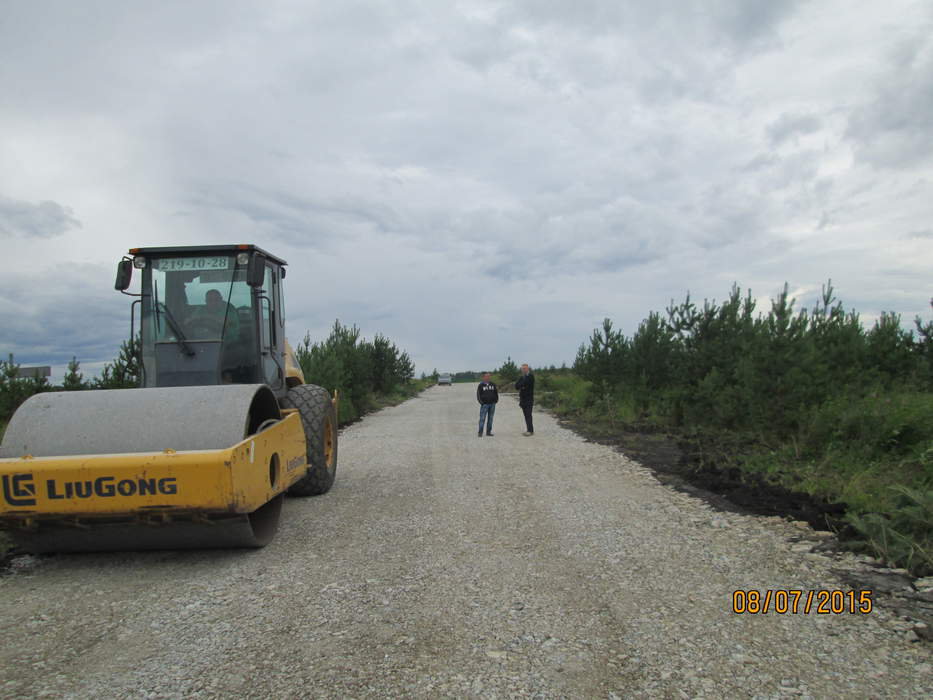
(486, 412)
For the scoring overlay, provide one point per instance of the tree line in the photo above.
(725, 366)
(811, 399)
(505, 374)
(364, 372)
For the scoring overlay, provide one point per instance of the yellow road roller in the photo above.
(200, 456)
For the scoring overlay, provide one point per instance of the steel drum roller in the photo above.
(128, 421)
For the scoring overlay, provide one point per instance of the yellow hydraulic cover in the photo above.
(293, 373)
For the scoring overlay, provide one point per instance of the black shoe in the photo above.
(479, 435)
(489, 435)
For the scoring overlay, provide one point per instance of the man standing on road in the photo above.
(526, 397)
(488, 396)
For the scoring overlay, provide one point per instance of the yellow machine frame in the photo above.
(209, 482)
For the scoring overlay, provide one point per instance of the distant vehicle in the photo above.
(444, 379)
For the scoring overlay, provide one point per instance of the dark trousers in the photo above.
(527, 411)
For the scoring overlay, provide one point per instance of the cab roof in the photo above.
(206, 250)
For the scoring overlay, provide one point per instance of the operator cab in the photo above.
(210, 315)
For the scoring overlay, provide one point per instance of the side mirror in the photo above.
(256, 270)
(283, 272)
(124, 275)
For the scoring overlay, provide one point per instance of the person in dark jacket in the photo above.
(526, 396)
(488, 396)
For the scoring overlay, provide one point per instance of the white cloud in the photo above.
(473, 180)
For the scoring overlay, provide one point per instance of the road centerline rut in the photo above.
(443, 564)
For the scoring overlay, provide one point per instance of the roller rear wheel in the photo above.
(319, 418)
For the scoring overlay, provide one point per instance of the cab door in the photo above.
(272, 335)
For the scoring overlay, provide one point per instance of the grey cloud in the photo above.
(70, 50)
(38, 321)
(303, 221)
(608, 239)
(790, 125)
(664, 51)
(730, 224)
(752, 21)
(46, 219)
(760, 162)
(797, 169)
(417, 162)
(739, 23)
(925, 233)
(792, 179)
(895, 128)
(484, 45)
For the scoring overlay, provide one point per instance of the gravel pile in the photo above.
(442, 564)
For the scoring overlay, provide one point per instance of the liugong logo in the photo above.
(19, 489)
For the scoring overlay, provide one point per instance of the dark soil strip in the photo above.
(677, 462)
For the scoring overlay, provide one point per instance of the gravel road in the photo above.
(444, 565)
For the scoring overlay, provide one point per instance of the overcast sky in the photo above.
(472, 179)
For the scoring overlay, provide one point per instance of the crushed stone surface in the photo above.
(446, 565)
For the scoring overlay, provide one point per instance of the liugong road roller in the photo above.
(200, 456)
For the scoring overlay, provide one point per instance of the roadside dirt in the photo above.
(674, 462)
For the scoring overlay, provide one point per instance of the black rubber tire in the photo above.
(317, 410)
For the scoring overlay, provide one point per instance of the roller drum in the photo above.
(120, 421)
(127, 421)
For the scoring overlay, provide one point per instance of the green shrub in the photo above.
(346, 412)
(362, 372)
(125, 372)
(14, 389)
(893, 423)
(567, 394)
(902, 538)
(508, 372)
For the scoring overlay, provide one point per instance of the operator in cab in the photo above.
(215, 318)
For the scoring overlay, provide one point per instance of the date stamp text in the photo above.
(795, 600)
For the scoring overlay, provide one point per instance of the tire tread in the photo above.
(314, 405)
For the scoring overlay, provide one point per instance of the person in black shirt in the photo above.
(488, 396)
(526, 396)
